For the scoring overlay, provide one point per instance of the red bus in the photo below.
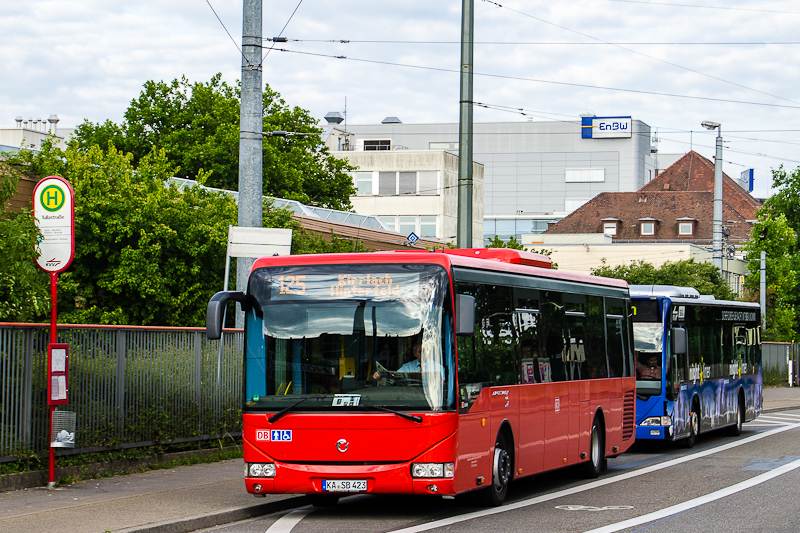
(434, 373)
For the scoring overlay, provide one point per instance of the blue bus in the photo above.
(698, 363)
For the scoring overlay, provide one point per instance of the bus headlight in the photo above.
(259, 470)
(657, 421)
(432, 469)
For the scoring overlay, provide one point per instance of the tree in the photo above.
(24, 288)
(704, 277)
(771, 233)
(146, 253)
(197, 127)
(787, 199)
(514, 244)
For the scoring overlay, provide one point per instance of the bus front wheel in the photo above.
(694, 428)
(595, 465)
(495, 494)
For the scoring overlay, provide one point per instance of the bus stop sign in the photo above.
(54, 209)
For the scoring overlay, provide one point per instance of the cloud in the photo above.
(85, 59)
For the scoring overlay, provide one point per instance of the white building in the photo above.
(414, 191)
(30, 133)
(535, 172)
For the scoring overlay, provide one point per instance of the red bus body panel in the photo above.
(550, 422)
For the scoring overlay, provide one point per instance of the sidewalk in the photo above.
(781, 398)
(178, 500)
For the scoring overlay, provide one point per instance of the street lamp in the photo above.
(716, 256)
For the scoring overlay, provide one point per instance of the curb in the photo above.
(193, 523)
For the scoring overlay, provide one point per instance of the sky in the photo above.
(670, 64)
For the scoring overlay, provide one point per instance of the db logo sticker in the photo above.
(262, 434)
(558, 405)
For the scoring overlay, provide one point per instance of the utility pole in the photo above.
(763, 290)
(464, 233)
(250, 136)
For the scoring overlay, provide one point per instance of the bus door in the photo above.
(532, 392)
(558, 408)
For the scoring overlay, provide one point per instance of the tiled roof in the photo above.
(683, 191)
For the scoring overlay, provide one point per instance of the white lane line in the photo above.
(285, 523)
(768, 422)
(780, 414)
(594, 484)
(697, 502)
(779, 417)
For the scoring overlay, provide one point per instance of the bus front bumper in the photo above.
(346, 480)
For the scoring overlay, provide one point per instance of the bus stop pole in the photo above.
(53, 339)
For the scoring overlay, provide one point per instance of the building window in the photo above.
(406, 225)
(389, 222)
(363, 183)
(685, 228)
(428, 183)
(427, 227)
(387, 183)
(407, 183)
(580, 175)
(610, 228)
(648, 228)
(378, 145)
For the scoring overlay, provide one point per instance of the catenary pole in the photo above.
(250, 136)
(717, 248)
(464, 233)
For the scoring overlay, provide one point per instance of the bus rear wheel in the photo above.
(593, 468)
(736, 429)
(495, 494)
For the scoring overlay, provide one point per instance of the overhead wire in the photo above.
(535, 80)
(282, 30)
(636, 52)
(696, 6)
(226, 31)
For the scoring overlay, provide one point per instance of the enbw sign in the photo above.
(606, 127)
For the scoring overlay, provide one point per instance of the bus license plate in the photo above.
(344, 485)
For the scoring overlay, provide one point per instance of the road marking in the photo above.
(285, 523)
(697, 502)
(778, 417)
(593, 508)
(594, 484)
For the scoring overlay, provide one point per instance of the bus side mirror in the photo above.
(216, 311)
(465, 315)
(679, 341)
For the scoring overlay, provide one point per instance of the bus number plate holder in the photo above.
(344, 485)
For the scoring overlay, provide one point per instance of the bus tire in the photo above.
(694, 427)
(736, 429)
(495, 493)
(594, 466)
(323, 500)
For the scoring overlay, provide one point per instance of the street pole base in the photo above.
(51, 484)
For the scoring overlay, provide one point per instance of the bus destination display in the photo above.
(318, 286)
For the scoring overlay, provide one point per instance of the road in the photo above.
(732, 484)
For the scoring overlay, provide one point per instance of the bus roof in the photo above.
(494, 259)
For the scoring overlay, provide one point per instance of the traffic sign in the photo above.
(412, 237)
(54, 210)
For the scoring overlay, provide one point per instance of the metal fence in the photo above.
(776, 356)
(129, 386)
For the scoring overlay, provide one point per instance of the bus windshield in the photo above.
(349, 337)
(647, 345)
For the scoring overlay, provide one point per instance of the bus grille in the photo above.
(628, 415)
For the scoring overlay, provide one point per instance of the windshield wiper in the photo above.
(413, 418)
(285, 410)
